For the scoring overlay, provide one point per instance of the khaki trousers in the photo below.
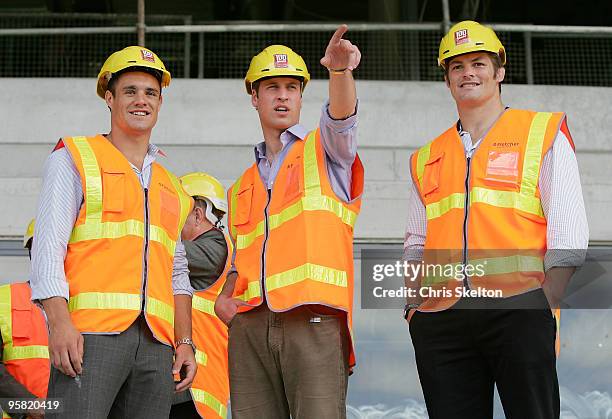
(288, 364)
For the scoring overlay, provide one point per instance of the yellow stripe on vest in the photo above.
(201, 357)
(93, 179)
(11, 352)
(312, 182)
(507, 199)
(253, 291)
(307, 271)
(501, 199)
(6, 322)
(209, 400)
(184, 199)
(103, 301)
(509, 264)
(108, 230)
(159, 235)
(533, 153)
(502, 265)
(307, 203)
(203, 305)
(444, 205)
(161, 310)
(234, 205)
(422, 157)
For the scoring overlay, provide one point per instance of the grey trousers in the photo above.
(293, 363)
(128, 375)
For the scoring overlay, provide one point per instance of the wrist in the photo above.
(338, 71)
(408, 307)
(185, 341)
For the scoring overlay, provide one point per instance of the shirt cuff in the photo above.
(564, 258)
(181, 285)
(51, 288)
(412, 254)
(340, 125)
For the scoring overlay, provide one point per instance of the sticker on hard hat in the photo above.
(147, 55)
(280, 61)
(461, 37)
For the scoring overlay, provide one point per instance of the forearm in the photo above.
(182, 316)
(413, 285)
(342, 94)
(56, 309)
(555, 284)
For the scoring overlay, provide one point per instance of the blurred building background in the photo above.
(559, 59)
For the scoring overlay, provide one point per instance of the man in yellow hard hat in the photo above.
(499, 178)
(208, 250)
(108, 264)
(24, 366)
(288, 302)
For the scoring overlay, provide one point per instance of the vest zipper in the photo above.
(466, 283)
(265, 241)
(146, 251)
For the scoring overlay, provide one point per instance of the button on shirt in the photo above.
(61, 198)
(567, 230)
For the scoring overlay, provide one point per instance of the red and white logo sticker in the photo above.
(280, 61)
(461, 37)
(147, 55)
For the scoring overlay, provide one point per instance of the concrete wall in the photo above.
(209, 125)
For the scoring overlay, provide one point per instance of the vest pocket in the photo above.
(113, 187)
(431, 174)
(243, 205)
(22, 321)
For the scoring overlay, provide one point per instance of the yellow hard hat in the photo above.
(469, 36)
(276, 61)
(133, 56)
(29, 233)
(203, 185)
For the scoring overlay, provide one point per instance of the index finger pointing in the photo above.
(337, 36)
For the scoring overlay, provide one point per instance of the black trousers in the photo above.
(461, 353)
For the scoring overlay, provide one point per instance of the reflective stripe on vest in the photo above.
(203, 305)
(253, 291)
(201, 357)
(490, 266)
(120, 301)
(209, 400)
(94, 228)
(10, 352)
(312, 200)
(525, 200)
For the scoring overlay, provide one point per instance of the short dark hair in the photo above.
(256, 83)
(113, 80)
(495, 60)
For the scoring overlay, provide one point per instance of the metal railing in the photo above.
(556, 55)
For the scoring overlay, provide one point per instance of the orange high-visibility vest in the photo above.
(25, 352)
(121, 251)
(300, 229)
(210, 387)
(496, 223)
